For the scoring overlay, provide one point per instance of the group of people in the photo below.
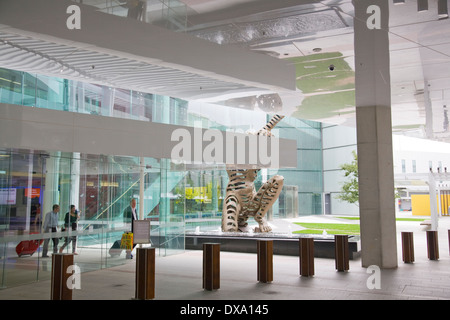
(50, 224)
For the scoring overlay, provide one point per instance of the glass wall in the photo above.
(177, 198)
(307, 178)
(60, 94)
(100, 188)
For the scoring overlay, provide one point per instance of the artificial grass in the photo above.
(338, 228)
(397, 219)
(330, 228)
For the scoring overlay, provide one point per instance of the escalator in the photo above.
(106, 225)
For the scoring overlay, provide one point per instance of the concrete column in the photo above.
(374, 134)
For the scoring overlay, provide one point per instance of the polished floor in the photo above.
(179, 277)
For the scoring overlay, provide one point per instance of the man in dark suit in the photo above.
(129, 215)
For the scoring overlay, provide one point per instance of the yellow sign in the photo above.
(127, 241)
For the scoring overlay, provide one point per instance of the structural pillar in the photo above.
(374, 134)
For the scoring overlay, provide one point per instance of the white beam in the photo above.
(104, 33)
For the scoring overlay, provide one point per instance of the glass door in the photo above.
(20, 216)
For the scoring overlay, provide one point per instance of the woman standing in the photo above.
(71, 221)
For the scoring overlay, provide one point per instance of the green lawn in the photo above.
(397, 219)
(338, 228)
(330, 228)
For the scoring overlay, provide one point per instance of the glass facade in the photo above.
(177, 197)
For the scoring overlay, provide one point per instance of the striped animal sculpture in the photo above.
(242, 201)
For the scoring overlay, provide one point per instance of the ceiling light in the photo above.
(399, 1)
(442, 9)
(422, 5)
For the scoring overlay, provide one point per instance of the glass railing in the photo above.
(21, 88)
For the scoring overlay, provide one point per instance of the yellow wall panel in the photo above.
(420, 204)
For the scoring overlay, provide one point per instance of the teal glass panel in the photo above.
(100, 187)
(176, 198)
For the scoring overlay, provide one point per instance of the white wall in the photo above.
(422, 151)
(338, 144)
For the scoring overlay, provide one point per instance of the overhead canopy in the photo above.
(108, 50)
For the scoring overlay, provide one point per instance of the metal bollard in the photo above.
(306, 255)
(211, 266)
(432, 245)
(408, 247)
(265, 260)
(60, 265)
(341, 253)
(145, 273)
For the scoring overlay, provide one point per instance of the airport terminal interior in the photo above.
(89, 89)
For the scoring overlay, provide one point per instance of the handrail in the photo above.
(117, 199)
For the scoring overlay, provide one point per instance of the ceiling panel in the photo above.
(310, 35)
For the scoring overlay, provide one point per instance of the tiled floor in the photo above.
(179, 277)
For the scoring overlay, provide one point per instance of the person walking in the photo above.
(71, 221)
(50, 225)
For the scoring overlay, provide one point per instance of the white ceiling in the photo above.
(299, 30)
(119, 52)
(419, 46)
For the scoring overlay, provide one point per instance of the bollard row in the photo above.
(145, 263)
(432, 246)
(211, 260)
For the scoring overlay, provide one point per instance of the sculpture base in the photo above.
(283, 244)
